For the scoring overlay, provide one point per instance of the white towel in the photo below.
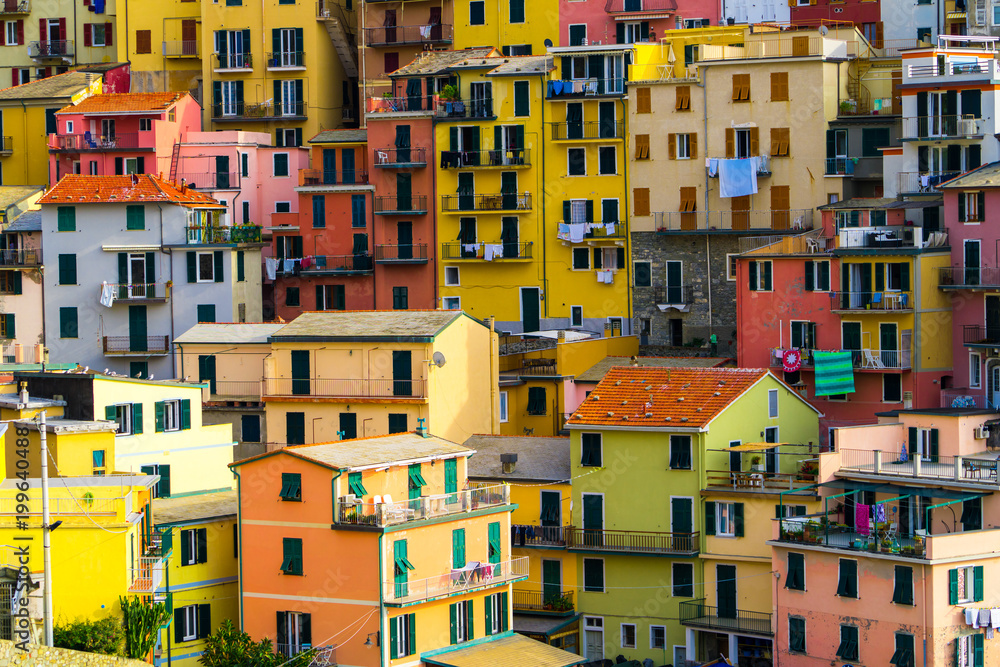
(995, 617)
(609, 276)
(971, 617)
(925, 180)
(600, 276)
(288, 266)
(975, 617)
(737, 178)
(425, 31)
(107, 295)
(271, 268)
(609, 229)
(498, 250)
(577, 230)
(490, 251)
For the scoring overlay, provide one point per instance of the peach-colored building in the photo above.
(897, 566)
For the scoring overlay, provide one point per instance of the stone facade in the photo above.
(704, 269)
(42, 656)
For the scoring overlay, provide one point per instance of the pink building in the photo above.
(903, 553)
(121, 133)
(630, 21)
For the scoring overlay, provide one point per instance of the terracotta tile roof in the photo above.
(125, 102)
(80, 189)
(664, 397)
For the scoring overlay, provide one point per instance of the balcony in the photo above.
(380, 515)
(934, 128)
(674, 222)
(400, 204)
(232, 62)
(591, 87)
(133, 346)
(317, 178)
(461, 109)
(757, 481)
(278, 61)
(861, 360)
(696, 614)
(18, 353)
(400, 158)
(763, 165)
(401, 253)
(188, 48)
(892, 48)
(10, 7)
(213, 180)
(514, 369)
(265, 111)
(523, 535)
(976, 470)
(460, 203)
(491, 252)
(51, 49)
(474, 576)
(977, 335)
(885, 238)
(510, 158)
(87, 142)
(340, 265)
(384, 104)
(674, 295)
(6, 145)
(594, 231)
(969, 277)
(800, 244)
(631, 541)
(242, 391)
(197, 235)
(641, 7)
(140, 292)
(382, 388)
(26, 257)
(858, 167)
(540, 602)
(408, 34)
(982, 69)
(913, 182)
(146, 575)
(591, 129)
(871, 302)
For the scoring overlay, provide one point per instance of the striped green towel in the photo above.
(834, 373)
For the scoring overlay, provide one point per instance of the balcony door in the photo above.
(674, 287)
(404, 240)
(593, 519)
(551, 515)
(300, 372)
(725, 590)
(389, 24)
(771, 455)
(551, 580)
(402, 373)
(466, 191)
(482, 100)
(136, 276)
(108, 130)
(329, 166)
(137, 331)
(189, 37)
(850, 339)
(888, 342)
(972, 258)
(222, 171)
(530, 313)
(992, 318)
(287, 48)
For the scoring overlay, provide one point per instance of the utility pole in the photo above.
(46, 532)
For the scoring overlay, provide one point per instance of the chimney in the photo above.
(23, 397)
(607, 329)
(561, 336)
(507, 462)
(421, 428)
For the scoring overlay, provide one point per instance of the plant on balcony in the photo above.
(808, 470)
(872, 547)
(449, 93)
(561, 603)
(142, 624)
(755, 464)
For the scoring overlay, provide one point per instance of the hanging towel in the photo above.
(880, 513)
(713, 166)
(425, 31)
(271, 268)
(984, 618)
(609, 229)
(834, 373)
(563, 232)
(288, 266)
(971, 617)
(737, 178)
(577, 230)
(609, 277)
(306, 262)
(989, 632)
(107, 295)
(995, 617)
(925, 180)
(498, 250)
(861, 516)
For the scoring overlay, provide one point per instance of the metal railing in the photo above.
(146, 575)
(401, 104)
(381, 514)
(15, 7)
(19, 353)
(914, 181)
(326, 177)
(408, 34)
(962, 397)
(523, 535)
(21, 257)
(786, 244)
(212, 180)
(892, 463)
(261, 111)
(403, 253)
(981, 68)
(697, 613)
(865, 359)
(513, 201)
(58, 48)
(875, 301)
(511, 367)
(590, 129)
(561, 602)
(473, 577)
(388, 157)
(896, 236)
(97, 142)
(822, 530)
(234, 389)
(400, 204)
(969, 276)
(935, 127)
(676, 221)
(977, 334)
(480, 250)
(763, 165)
(285, 59)
(321, 656)
(631, 541)
(477, 108)
(643, 6)
(355, 263)
(892, 48)
(6, 144)
(140, 291)
(515, 344)
(125, 345)
(674, 294)
(187, 48)
(386, 388)
(214, 235)
(585, 87)
(64, 506)
(232, 61)
(839, 166)
(504, 157)
(763, 482)
(600, 229)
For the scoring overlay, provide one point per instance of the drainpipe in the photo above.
(239, 536)
(923, 588)
(171, 279)
(363, 51)
(541, 225)
(708, 244)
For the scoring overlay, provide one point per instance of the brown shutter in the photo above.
(671, 146)
(754, 141)
(779, 207)
(878, 35)
(779, 86)
(730, 142)
(683, 102)
(694, 145)
(143, 41)
(689, 199)
(642, 147)
(800, 46)
(736, 87)
(740, 207)
(897, 100)
(640, 201)
(785, 146)
(643, 101)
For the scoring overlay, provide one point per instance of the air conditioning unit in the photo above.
(349, 499)
(982, 432)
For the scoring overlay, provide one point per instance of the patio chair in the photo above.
(872, 360)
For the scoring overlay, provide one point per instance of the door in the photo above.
(508, 190)
(137, 336)
(404, 192)
(850, 336)
(222, 172)
(404, 239)
(606, 116)
(529, 309)
(551, 516)
(676, 332)
(348, 425)
(725, 590)
(300, 372)
(889, 345)
(674, 288)
(681, 523)
(434, 20)
(389, 23)
(593, 519)
(482, 100)
(992, 318)
(735, 458)
(995, 379)
(206, 371)
(574, 120)
(347, 164)
(593, 629)
(972, 262)
(137, 287)
(771, 455)
(329, 166)
(402, 373)
(189, 37)
(551, 580)
(108, 130)
(466, 191)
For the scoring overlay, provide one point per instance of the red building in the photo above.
(865, 14)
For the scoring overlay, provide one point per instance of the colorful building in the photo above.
(21, 280)
(621, 22)
(342, 375)
(163, 45)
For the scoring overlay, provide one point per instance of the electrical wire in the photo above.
(332, 637)
(646, 588)
(85, 512)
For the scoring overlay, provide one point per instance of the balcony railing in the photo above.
(492, 251)
(286, 59)
(22, 257)
(509, 157)
(136, 345)
(891, 48)
(937, 127)
(222, 62)
(640, 6)
(725, 221)
(675, 295)
(474, 576)
(401, 157)
(697, 614)
(763, 165)
(457, 109)
(381, 514)
(234, 390)
(213, 180)
(523, 535)
(146, 574)
(400, 204)
(982, 68)
(60, 507)
(591, 129)
(6, 145)
(871, 301)
(977, 334)
(787, 244)
(560, 603)
(514, 344)
(514, 201)
(18, 353)
(610, 229)
(864, 360)
(15, 7)
(385, 388)
(188, 48)
(140, 291)
(391, 104)
(891, 463)
(880, 237)
(631, 541)
(909, 182)
(264, 111)
(60, 48)
(760, 482)
(512, 369)
(965, 397)
(585, 87)
(973, 277)
(97, 142)
(401, 253)
(313, 177)
(408, 34)
(216, 235)
(359, 263)
(839, 166)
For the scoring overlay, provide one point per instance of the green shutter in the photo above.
(185, 414)
(824, 276)
(201, 537)
(453, 614)
(451, 476)
(470, 625)
(137, 418)
(66, 219)
(159, 409)
(795, 580)
(953, 586)
(710, 518)
(494, 542)
(67, 269)
(752, 272)
(488, 606)
(241, 274)
(164, 486)
(977, 581)
(902, 591)
(393, 654)
(185, 547)
(192, 266)
(458, 548)
(411, 628)
(135, 217)
(738, 519)
(913, 440)
(810, 285)
(110, 413)
(977, 650)
(219, 274)
(766, 268)
(934, 445)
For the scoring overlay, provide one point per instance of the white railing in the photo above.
(147, 575)
(881, 237)
(390, 513)
(18, 353)
(910, 464)
(61, 506)
(474, 576)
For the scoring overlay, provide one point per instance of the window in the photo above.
(971, 206)
(295, 428)
(642, 147)
(66, 219)
(643, 100)
(205, 267)
(892, 389)
(658, 637)
(969, 650)
(741, 88)
(975, 370)
(331, 297)
(640, 201)
(682, 580)
(795, 578)
(400, 300)
(680, 452)
(477, 12)
(415, 485)
(581, 258)
(817, 276)
(537, 404)
(522, 97)
(359, 217)
(291, 296)
(496, 613)
(903, 655)
(576, 316)
(628, 635)
(902, 590)
(503, 407)
(607, 161)
(760, 275)
(291, 555)
(318, 211)
(643, 274)
(451, 276)
(593, 575)
(682, 100)
(780, 141)
(68, 322)
(847, 583)
(194, 546)
(280, 164)
(732, 265)
(772, 404)
(123, 414)
(98, 462)
(724, 519)
(576, 161)
(461, 619)
(779, 86)
(451, 303)
(516, 11)
(169, 416)
(162, 488)
(848, 648)
(590, 450)
(965, 584)
(250, 428)
(67, 269)
(402, 641)
(192, 622)
(796, 634)
(577, 35)
(206, 313)
(291, 486)
(11, 33)
(681, 146)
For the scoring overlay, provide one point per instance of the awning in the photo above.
(901, 489)
(510, 650)
(954, 16)
(917, 203)
(754, 447)
(643, 16)
(542, 625)
(130, 248)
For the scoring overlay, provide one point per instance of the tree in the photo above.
(229, 647)
(142, 623)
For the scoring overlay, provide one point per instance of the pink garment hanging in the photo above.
(861, 515)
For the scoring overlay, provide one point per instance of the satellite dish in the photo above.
(438, 359)
(823, 30)
(548, 43)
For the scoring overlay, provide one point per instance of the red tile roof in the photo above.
(111, 103)
(80, 189)
(664, 397)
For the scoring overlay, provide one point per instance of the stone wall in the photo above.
(43, 656)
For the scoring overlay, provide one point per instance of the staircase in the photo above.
(175, 157)
(344, 40)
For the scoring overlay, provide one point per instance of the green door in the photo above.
(889, 345)
(300, 372)
(593, 519)
(725, 590)
(206, 371)
(606, 114)
(466, 191)
(222, 172)
(137, 335)
(508, 190)
(681, 522)
(551, 580)
(850, 334)
(402, 373)
(404, 192)
(529, 309)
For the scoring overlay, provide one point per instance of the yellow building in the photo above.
(163, 43)
(27, 118)
(537, 470)
(341, 375)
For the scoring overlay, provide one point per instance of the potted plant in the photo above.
(449, 93)
(872, 547)
(886, 545)
(755, 464)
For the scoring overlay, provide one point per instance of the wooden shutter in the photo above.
(754, 141)
(683, 98)
(643, 100)
(779, 86)
(137, 418)
(779, 206)
(800, 46)
(693, 145)
(736, 88)
(689, 199)
(671, 146)
(640, 201)
(143, 41)
(642, 147)
(730, 142)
